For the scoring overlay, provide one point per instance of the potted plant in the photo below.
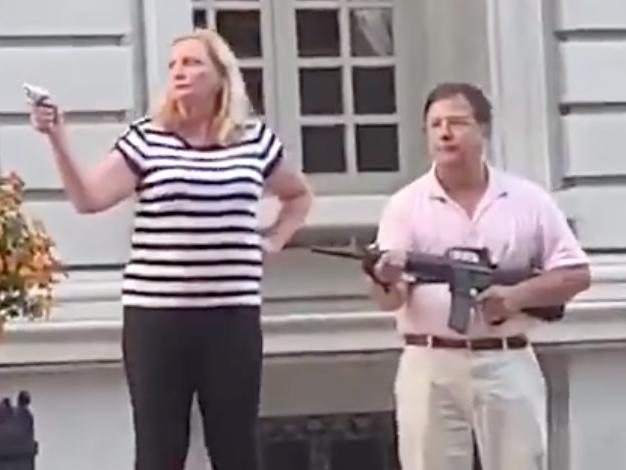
(28, 264)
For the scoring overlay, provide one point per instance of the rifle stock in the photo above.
(512, 277)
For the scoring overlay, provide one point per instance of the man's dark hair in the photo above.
(474, 96)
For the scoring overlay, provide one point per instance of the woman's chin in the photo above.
(181, 94)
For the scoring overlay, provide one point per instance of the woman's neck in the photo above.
(196, 125)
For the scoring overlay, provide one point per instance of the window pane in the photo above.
(320, 91)
(374, 90)
(318, 33)
(199, 18)
(254, 86)
(323, 149)
(377, 147)
(242, 29)
(371, 32)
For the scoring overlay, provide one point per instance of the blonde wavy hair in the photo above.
(232, 104)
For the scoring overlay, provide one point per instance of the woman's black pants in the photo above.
(170, 355)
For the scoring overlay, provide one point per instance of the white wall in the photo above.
(83, 416)
(558, 69)
(597, 411)
(85, 54)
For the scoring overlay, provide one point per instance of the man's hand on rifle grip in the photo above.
(498, 304)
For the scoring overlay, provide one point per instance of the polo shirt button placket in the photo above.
(472, 236)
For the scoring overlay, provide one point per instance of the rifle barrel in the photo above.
(337, 252)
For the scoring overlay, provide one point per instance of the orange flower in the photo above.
(28, 264)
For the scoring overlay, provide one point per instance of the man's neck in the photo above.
(462, 179)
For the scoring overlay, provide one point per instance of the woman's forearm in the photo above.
(74, 181)
(291, 217)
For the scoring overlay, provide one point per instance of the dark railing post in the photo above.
(18, 447)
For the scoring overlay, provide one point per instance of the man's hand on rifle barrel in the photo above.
(390, 266)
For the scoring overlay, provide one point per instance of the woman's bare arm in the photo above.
(110, 182)
(296, 198)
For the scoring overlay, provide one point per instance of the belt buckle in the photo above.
(429, 341)
(505, 344)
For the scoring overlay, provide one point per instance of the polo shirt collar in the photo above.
(496, 185)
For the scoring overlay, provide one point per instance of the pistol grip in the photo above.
(460, 312)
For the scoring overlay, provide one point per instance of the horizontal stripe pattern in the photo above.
(195, 241)
(169, 301)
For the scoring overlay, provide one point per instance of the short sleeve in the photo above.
(559, 246)
(130, 145)
(394, 228)
(271, 150)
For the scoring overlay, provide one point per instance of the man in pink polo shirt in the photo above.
(486, 383)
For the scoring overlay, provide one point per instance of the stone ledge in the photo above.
(608, 274)
(590, 324)
(89, 331)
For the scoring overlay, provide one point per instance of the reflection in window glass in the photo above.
(371, 32)
(377, 147)
(320, 91)
(323, 149)
(242, 29)
(318, 33)
(374, 90)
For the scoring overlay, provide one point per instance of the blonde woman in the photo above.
(191, 292)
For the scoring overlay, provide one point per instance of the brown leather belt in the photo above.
(475, 344)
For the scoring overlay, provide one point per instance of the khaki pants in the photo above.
(443, 395)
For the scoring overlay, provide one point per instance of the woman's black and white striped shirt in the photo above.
(196, 241)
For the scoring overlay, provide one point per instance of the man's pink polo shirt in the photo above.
(516, 220)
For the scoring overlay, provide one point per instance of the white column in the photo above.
(523, 67)
(163, 21)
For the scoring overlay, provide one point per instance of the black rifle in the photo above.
(18, 447)
(467, 271)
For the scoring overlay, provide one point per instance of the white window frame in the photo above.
(407, 116)
(280, 76)
(338, 204)
(267, 61)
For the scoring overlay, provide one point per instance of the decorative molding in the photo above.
(608, 275)
(587, 324)
(88, 327)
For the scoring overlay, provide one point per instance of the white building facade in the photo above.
(343, 83)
